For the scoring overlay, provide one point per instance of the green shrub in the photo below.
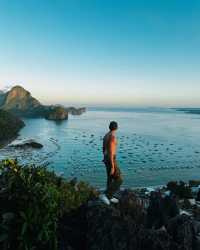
(32, 200)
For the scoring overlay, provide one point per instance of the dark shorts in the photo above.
(113, 181)
(108, 165)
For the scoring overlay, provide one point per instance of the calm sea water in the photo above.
(154, 145)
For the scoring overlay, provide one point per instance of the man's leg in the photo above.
(109, 179)
(114, 182)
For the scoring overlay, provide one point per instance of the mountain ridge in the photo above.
(20, 102)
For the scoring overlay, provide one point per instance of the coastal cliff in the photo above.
(20, 102)
(10, 125)
(20, 99)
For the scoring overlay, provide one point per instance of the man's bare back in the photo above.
(109, 144)
(110, 147)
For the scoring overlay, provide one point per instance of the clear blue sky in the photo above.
(144, 53)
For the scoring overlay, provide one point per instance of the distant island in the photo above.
(189, 110)
(20, 102)
(57, 114)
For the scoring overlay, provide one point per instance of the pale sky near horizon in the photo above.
(90, 52)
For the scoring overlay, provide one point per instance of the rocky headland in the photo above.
(21, 103)
(18, 103)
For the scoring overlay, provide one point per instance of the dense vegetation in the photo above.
(9, 125)
(33, 200)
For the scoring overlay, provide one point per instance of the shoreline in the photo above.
(6, 142)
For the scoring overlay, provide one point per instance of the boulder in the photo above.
(132, 205)
(26, 144)
(161, 209)
(182, 230)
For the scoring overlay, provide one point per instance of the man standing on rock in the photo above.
(114, 179)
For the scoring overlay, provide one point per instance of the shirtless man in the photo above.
(114, 179)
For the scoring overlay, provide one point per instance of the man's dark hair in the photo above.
(113, 125)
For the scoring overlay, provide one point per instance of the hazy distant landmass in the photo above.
(21, 103)
(189, 110)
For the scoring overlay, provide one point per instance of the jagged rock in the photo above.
(106, 229)
(181, 228)
(131, 205)
(110, 229)
(160, 210)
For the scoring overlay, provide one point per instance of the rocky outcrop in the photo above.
(57, 114)
(181, 229)
(160, 210)
(26, 144)
(110, 229)
(10, 125)
(124, 226)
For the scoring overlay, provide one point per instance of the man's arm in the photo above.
(112, 154)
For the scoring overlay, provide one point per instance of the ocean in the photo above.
(154, 145)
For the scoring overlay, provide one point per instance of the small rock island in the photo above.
(57, 114)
